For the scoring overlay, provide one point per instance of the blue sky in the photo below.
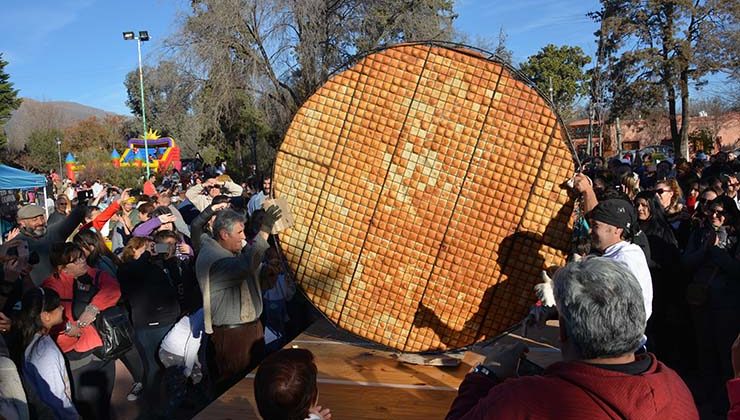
(73, 50)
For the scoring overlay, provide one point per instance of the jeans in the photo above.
(92, 386)
(150, 338)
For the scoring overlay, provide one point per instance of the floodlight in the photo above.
(128, 36)
(143, 36)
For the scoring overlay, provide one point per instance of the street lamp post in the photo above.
(143, 36)
(59, 151)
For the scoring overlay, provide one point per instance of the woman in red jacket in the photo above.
(76, 283)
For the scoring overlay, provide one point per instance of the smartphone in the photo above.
(84, 195)
(528, 368)
(161, 248)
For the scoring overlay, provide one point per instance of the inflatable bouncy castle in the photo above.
(163, 153)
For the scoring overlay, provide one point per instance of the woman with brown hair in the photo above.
(84, 292)
(96, 251)
(135, 247)
(43, 366)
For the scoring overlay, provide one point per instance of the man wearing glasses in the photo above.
(731, 187)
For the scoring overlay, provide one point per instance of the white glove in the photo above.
(544, 290)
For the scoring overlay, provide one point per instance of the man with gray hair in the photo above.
(602, 320)
(228, 273)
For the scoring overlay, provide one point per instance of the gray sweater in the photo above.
(230, 282)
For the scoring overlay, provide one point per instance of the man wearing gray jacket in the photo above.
(228, 274)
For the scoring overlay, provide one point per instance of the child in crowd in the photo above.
(285, 387)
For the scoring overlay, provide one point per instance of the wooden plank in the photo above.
(377, 402)
(360, 381)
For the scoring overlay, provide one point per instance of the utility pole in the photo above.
(596, 106)
(143, 36)
(59, 151)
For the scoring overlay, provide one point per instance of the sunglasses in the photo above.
(719, 213)
(661, 191)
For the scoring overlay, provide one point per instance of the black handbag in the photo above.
(116, 333)
(113, 324)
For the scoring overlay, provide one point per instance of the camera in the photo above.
(162, 248)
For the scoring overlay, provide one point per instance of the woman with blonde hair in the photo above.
(631, 185)
(671, 199)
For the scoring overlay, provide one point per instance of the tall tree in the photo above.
(9, 100)
(103, 134)
(558, 72)
(655, 48)
(278, 52)
(42, 149)
(169, 93)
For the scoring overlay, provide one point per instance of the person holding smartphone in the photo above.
(150, 285)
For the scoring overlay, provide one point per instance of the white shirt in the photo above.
(632, 256)
(255, 203)
(46, 372)
(97, 188)
(184, 339)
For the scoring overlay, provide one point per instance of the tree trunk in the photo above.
(667, 41)
(675, 135)
(684, 135)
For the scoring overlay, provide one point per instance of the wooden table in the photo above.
(360, 381)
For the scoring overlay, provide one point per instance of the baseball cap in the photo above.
(30, 211)
(615, 212)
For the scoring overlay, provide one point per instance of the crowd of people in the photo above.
(179, 280)
(649, 306)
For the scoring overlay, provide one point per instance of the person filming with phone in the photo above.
(150, 285)
(602, 321)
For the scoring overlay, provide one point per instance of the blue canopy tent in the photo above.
(17, 179)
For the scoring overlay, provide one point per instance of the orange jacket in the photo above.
(107, 296)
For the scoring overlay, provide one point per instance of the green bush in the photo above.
(98, 165)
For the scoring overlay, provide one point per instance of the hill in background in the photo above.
(39, 115)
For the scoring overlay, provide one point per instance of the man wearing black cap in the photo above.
(613, 226)
(40, 237)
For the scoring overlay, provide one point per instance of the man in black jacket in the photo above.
(40, 237)
(149, 286)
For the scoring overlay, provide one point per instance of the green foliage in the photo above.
(9, 100)
(654, 49)
(98, 165)
(264, 58)
(169, 93)
(563, 67)
(209, 153)
(42, 149)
